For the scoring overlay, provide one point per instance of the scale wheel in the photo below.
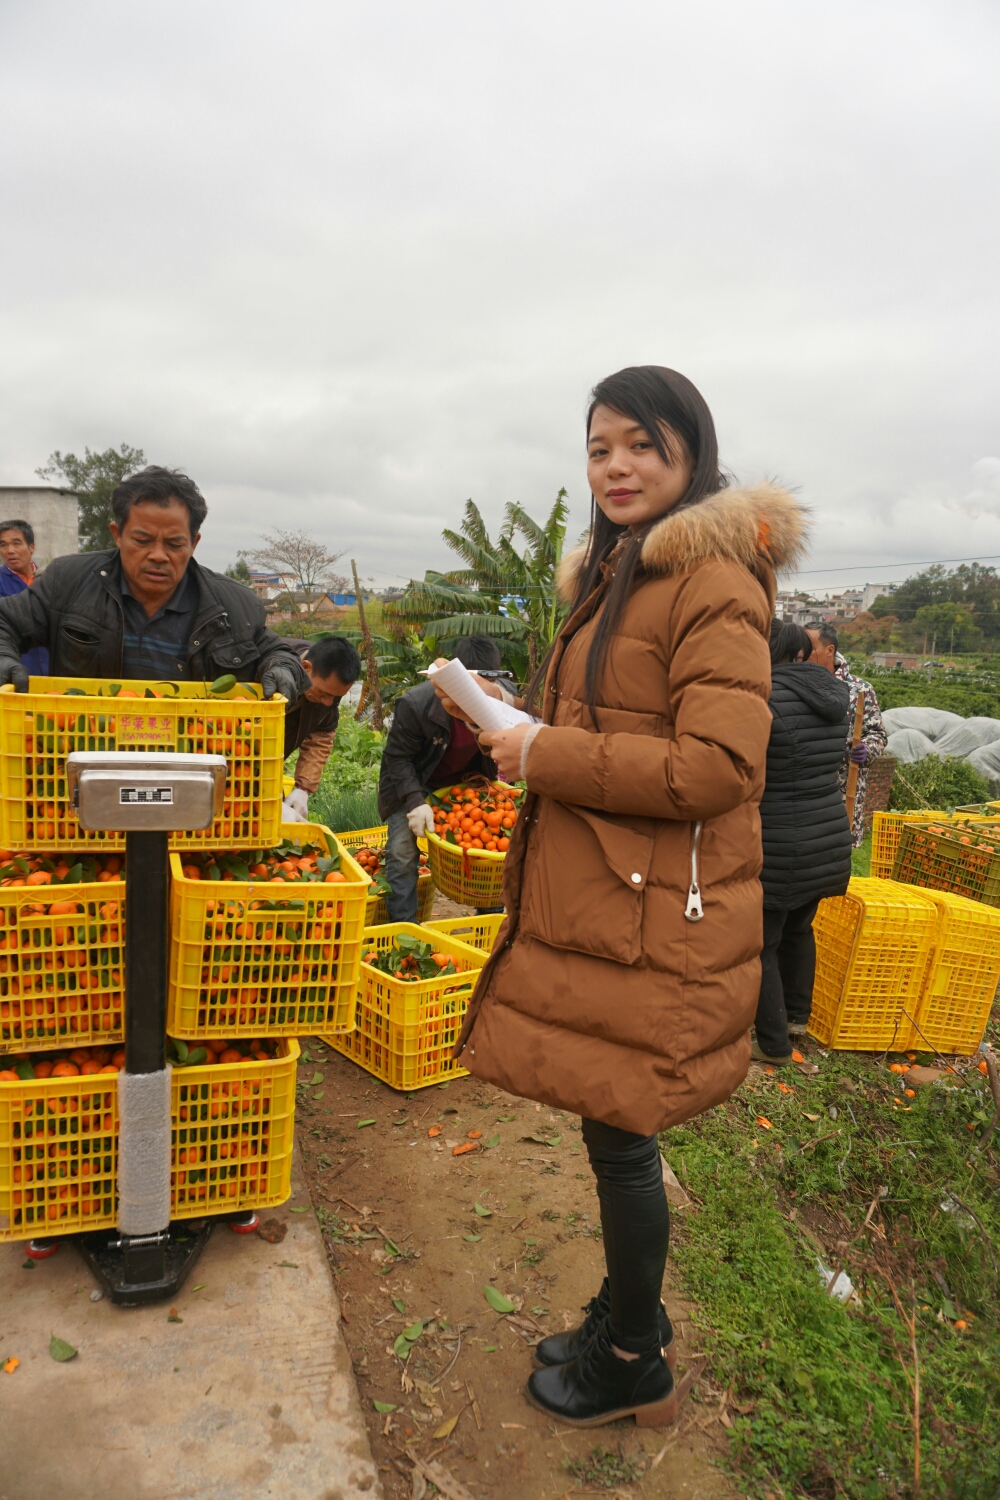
(247, 1223)
(41, 1249)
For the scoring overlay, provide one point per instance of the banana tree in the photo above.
(501, 592)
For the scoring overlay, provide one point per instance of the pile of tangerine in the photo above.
(476, 817)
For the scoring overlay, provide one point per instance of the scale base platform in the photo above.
(133, 1275)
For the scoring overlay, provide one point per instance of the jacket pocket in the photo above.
(584, 888)
(238, 657)
(79, 647)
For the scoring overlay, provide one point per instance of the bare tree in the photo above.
(307, 560)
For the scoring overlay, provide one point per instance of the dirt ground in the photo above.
(535, 1238)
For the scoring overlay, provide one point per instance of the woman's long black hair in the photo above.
(789, 642)
(667, 406)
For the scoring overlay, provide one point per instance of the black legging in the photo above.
(636, 1224)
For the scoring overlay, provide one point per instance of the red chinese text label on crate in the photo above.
(477, 932)
(40, 728)
(405, 1031)
(265, 958)
(961, 977)
(872, 947)
(375, 838)
(231, 1145)
(61, 973)
(960, 857)
(887, 830)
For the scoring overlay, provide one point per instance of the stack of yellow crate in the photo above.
(898, 966)
(290, 967)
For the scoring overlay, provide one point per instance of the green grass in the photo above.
(821, 1405)
(861, 859)
(344, 811)
(347, 796)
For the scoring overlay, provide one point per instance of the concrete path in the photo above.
(251, 1396)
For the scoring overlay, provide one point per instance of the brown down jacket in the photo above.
(601, 996)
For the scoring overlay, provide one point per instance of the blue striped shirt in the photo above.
(155, 647)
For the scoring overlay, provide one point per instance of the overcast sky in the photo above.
(350, 264)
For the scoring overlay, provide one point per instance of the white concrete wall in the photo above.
(51, 512)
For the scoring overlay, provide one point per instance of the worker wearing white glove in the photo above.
(295, 808)
(421, 820)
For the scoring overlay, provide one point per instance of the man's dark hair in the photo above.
(22, 526)
(159, 486)
(787, 640)
(477, 651)
(828, 635)
(331, 653)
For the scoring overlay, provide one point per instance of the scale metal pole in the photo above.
(146, 797)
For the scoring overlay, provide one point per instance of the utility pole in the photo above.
(371, 675)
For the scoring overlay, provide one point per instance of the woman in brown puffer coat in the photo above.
(626, 977)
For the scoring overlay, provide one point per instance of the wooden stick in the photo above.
(371, 676)
(852, 775)
(994, 1077)
(910, 1324)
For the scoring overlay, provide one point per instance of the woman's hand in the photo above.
(450, 707)
(505, 746)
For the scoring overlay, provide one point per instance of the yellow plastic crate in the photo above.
(62, 976)
(38, 729)
(377, 912)
(472, 877)
(887, 830)
(236, 971)
(961, 978)
(478, 932)
(872, 948)
(948, 858)
(405, 1032)
(231, 1145)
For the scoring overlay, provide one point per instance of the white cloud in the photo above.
(349, 265)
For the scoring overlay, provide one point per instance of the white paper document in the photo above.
(462, 688)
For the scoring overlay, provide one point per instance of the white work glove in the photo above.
(421, 820)
(295, 808)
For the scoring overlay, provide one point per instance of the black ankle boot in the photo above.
(560, 1348)
(599, 1387)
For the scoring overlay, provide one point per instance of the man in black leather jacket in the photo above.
(425, 749)
(146, 609)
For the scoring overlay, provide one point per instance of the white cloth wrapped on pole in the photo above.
(144, 1152)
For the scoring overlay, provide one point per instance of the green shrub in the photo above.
(933, 782)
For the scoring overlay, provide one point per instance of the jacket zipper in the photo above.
(694, 910)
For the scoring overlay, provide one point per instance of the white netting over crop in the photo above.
(909, 744)
(144, 1152)
(930, 721)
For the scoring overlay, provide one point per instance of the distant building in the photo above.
(798, 609)
(270, 585)
(51, 513)
(836, 609)
(896, 659)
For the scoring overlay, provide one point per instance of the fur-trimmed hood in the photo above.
(741, 525)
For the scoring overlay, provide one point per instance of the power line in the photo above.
(927, 563)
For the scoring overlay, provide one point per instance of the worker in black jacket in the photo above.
(145, 609)
(425, 749)
(805, 833)
(332, 665)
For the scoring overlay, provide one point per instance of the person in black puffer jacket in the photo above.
(806, 836)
